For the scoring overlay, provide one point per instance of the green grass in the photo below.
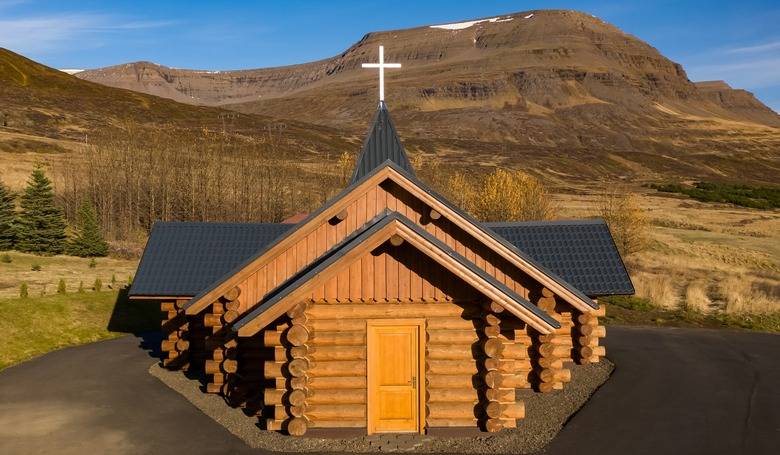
(624, 310)
(33, 326)
(757, 197)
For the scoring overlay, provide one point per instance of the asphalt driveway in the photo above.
(673, 391)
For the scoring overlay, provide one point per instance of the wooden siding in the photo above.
(392, 280)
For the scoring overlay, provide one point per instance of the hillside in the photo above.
(46, 110)
(559, 92)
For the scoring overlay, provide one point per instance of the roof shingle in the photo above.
(182, 258)
(580, 251)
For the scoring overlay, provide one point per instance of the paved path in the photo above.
(674, 391)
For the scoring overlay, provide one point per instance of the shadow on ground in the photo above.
(141, 318)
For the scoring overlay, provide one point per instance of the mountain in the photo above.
(44, 109)
(562, 93)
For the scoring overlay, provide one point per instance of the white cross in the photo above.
(381, 65)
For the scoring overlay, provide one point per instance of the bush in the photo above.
(92, 263)
(98, 285)
(757, 197)
(113, 281)
(501, 196)
(61, 289)
(36, 267)
(24, 292)
(626, 219)
(5, 258)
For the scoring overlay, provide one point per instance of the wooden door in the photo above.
(395, 378)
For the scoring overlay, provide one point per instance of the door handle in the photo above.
(413, 382)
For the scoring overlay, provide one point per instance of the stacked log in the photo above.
(291, 368)
(586, 334)
(222, 364)
(452, 358)
(501, 376)
(553, 349)
(175, 346)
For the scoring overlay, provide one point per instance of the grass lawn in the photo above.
(36, 325)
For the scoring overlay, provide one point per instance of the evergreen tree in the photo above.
(7, 236)
(41, 225)
(88, 241)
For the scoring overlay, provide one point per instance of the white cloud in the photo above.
(43, 34)
(770, 46)
(750, 73)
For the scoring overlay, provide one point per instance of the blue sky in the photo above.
(735, 41)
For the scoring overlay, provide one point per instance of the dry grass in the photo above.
(741, 295)
(696, 297)
(659, 289)
(708, 258)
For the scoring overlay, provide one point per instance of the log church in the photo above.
(388, 309)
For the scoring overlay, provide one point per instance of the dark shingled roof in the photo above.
(582, 252)
(181, 259)
(357, 238)
(382, 144)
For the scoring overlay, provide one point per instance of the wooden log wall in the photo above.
(175, 346)
(586, 334)
(222, 364)
(554, 349)
(506, 367)
(321, 377)
(452, 356)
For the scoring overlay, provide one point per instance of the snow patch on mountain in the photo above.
(467, 24)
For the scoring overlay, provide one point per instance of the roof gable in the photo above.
(371, 236)
(381, 144)
(391, 171)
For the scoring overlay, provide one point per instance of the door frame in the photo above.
(421, 335)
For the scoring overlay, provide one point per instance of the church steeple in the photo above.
(381, 144)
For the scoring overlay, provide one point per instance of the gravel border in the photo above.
(546, 416)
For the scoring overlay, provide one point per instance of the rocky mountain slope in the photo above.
(560, 92)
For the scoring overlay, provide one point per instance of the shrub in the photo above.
(24, 292)
(5, 258)
(98, 285)
(61, 289)
(626, 219)
(757, 197)
(92, 263)
(36, 267)
(502, 195)
(113, 280)
(81, 287)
